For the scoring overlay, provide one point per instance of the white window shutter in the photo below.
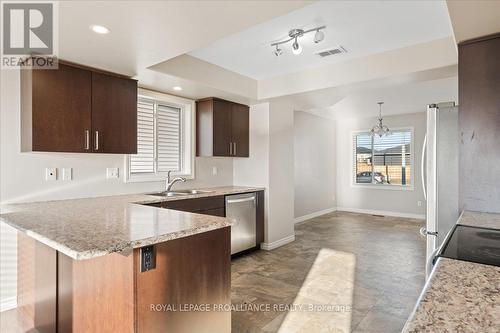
(168, 120)
(144, 160)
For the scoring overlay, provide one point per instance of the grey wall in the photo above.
(349, 197)
(270, 165)
(315, 170)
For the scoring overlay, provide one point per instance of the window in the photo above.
(164, 137)
(383, 160)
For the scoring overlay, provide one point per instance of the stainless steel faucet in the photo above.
(170, 183)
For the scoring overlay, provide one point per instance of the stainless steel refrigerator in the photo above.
(440, 176)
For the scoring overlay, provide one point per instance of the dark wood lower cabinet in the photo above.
(214, 212)
(260, 218)
(96, 295)
(190, 271)
(111, 294)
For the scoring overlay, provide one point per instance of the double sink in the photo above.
(179, 193)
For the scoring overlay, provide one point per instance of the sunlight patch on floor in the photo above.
(325, 299)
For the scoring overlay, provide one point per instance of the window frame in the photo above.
(188, 140)
(410, 187)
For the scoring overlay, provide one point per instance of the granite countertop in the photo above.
(460, 296)
(93, 227)
(479, 219)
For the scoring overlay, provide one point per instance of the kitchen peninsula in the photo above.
(108, 264)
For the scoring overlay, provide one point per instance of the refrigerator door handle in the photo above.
(422, 167)
(424, 232)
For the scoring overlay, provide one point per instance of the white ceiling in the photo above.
(362, 27)
(474, 18)
(400, 99)
(144, 33)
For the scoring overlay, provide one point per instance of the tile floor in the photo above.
(369, 270)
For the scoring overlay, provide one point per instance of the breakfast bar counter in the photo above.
(111, 264)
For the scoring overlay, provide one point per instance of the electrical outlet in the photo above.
(214, 171)
(112, 173)
(148, 258)
(67, 173)
(50, 174)
(419, 203)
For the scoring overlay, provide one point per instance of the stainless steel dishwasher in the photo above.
(241, 208)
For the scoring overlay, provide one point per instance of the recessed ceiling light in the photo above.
(177, 88)
(99, 29)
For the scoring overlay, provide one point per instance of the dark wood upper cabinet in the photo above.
(78, 109)
(479, 121)
(222, 128)
(56, 109)
(222, 131)
(114, 114)
(240, 127)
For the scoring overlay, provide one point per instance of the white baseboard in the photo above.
(8, 303)
(382, 212)
(315, 214)
(278, 243)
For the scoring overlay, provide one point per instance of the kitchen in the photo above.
(185, 177)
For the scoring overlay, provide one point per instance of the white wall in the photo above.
(375, 199)
(315, 170)
(22, 176)
(281, 175)
(254, 170)
(270, 165)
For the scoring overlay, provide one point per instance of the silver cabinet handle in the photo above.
(234, 148)
(96, 140)
(87, 139)
(240, 200)
(230, 148)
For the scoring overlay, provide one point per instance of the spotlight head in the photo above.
(296, 48)
(319, 36)
(278, 51)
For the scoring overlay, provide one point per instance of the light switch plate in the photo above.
(50, 174)
(214, 171)
(67, 173)
(112, 173)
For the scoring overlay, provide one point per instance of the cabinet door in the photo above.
(222, 125)
(479, 121)
(193, 270)
(240, 130)
(114, 114)
(214, 212)
(60, 109)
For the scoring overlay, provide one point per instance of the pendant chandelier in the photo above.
(380, 129)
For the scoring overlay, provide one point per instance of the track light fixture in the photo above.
(294, 35)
